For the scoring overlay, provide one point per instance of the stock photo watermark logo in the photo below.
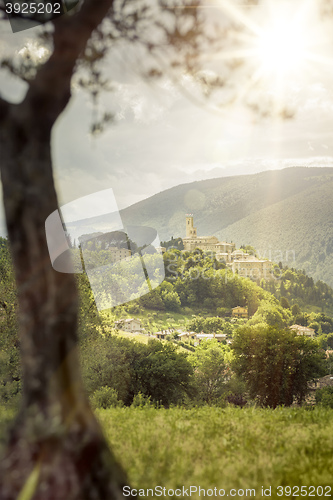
(88, 236)
(26, 14)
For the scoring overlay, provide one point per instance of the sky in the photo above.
(164, 134)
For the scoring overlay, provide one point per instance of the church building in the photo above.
(192, 241)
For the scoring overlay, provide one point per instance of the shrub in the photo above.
(223, 311)
(105, 397)
(236, 400)
(133, 308)
(129, 367)
(324, 397)
(187, 346)
(142, 401)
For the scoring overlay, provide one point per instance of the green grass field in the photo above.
(227, 448)
(158, 320)
(223, 448)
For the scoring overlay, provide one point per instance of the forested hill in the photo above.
(289, 210)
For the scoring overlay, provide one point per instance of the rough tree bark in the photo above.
(55, 449)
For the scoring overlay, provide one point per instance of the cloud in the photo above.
(162, 139)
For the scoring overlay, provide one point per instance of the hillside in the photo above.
(302, 225)
(277, 212)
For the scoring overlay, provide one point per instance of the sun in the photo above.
(281, 48)
(280, 44)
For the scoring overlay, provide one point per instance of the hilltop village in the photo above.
(208, 291)
(242, 263)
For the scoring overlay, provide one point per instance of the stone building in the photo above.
(206, 243)
(118, 254)
(252, 268)
(242, 263)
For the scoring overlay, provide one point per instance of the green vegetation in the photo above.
(197, 295)
(294, 287)
(210, 325)
(324, 397)
(134, 386)
(7, 415)
(105, 397)
(227, 448)
(156, 370)
(272, 314)
(198, 281)
(211, 361)
(276, 364)
(173, 243)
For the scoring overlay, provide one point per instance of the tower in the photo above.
(191, 232)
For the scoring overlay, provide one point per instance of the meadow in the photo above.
(222, 447)
(227, 448)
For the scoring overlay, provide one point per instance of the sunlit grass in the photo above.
(133, 336)
(226, 448)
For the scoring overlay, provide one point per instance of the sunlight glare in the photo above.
(281, 48)
(276, 49)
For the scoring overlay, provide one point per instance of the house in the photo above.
(185, 335)
(163, 334)
(303, 330)
(220, 337)
(182, 334)
(240, 312)
(118, 254)
(128, 325)
(253, 268)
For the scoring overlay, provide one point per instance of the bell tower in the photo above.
(191, 232)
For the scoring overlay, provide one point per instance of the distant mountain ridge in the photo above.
(276, 211)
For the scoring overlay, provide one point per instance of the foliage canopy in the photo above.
(276, 364)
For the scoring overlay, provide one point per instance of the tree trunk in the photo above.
(55, 449)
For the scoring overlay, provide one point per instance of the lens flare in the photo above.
(281, 48)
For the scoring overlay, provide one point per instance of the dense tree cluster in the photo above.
(155, 370)
(197, 280)
(297, 287)
(277, 365)
(270, 313)
(211, 361)
(210, 325)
